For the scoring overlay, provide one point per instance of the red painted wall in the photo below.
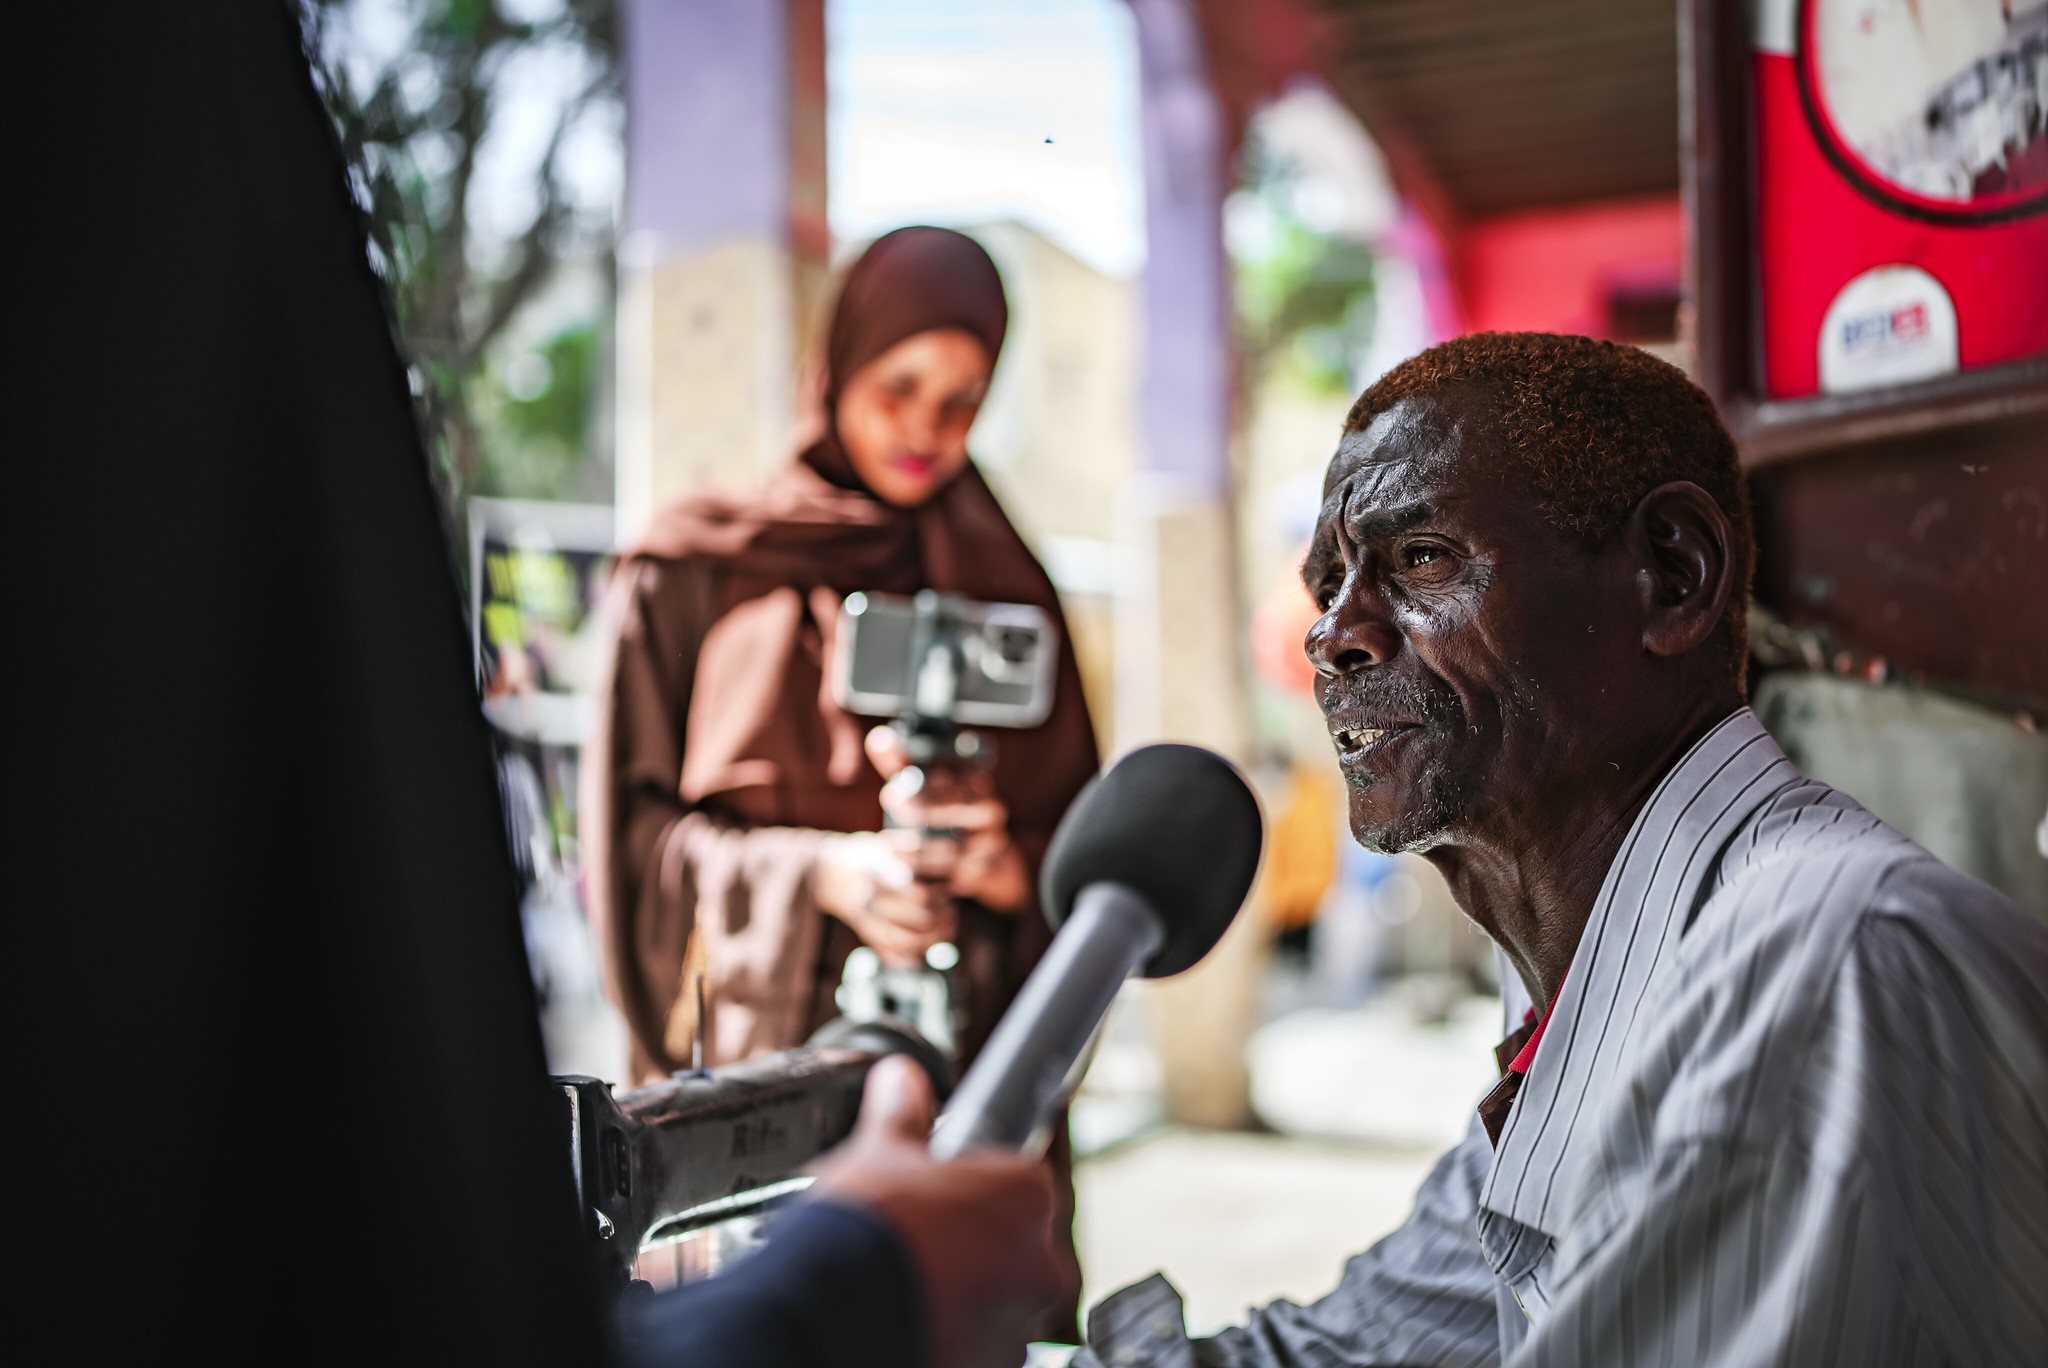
(1552, 270)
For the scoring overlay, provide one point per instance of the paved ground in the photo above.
(1366, 1098)
(1386, 1072)
(1236, 1220)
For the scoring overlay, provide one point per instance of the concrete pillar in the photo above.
(1180, 660)
(725, 244)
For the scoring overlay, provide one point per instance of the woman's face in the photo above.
(903, 417)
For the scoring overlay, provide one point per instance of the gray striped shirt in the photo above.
(1791, 1107)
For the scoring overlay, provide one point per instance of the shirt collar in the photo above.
(1650, 890)
(1514, 1055)
(1525, 1053)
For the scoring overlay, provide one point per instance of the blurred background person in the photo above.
(733, 813)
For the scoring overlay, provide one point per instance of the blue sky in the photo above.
(940, 111)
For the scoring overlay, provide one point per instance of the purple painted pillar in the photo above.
(1186, 372)
(1181, 641)
(707, 121)
(1179, 637)
(725, 244)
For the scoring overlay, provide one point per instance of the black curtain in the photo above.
(276, 1054)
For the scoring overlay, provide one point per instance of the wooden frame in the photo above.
(1716, 154)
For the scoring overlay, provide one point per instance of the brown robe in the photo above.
(720, 759)
(689, 876)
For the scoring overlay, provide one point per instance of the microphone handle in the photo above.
(1014, 1083)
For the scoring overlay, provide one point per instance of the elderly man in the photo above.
(1783, 1098)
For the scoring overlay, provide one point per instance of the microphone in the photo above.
(1144, 875)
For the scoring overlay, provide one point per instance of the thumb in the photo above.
(896, 1102)
(886, 751)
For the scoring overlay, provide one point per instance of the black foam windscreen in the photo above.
(1176, 823)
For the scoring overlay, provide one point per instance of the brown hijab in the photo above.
(765, 744)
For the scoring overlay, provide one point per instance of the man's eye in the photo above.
(1421, 554)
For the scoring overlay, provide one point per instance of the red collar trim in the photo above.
(1527, 1055)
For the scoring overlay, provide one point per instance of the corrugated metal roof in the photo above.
(1514, 104)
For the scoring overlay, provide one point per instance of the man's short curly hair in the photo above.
(1592, 426)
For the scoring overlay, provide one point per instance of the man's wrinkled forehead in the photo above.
(1419, 439)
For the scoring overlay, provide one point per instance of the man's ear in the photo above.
(1685, 566)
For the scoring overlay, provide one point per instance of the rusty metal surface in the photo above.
(1929, 553)
(703, 1141)
(704, 1146)
(701, 1147)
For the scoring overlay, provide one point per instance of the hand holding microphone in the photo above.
(978, 1229)
(1144, 875)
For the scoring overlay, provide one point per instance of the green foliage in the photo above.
(1304, 298)
(534, 410)
(1307, 307)
(412, 123)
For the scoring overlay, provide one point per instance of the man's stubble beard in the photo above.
(1440, 801)
(1442, 796)
(1450, 792)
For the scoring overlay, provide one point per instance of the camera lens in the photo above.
(1015, 644)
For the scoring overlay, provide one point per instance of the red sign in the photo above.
(1902, 189)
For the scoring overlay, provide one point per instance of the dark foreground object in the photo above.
(273, 995)
(275, 935)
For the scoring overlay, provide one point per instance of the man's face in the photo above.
(1466, 646)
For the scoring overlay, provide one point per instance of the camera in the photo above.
(940, 661)
(936, 664)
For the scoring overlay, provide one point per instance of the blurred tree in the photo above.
(1304, 297)
(535, 412)
(483, 141)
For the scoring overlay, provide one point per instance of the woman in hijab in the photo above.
(733, 815)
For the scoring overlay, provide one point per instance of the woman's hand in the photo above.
(863, 880)
(987, 866)
(950, 827)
